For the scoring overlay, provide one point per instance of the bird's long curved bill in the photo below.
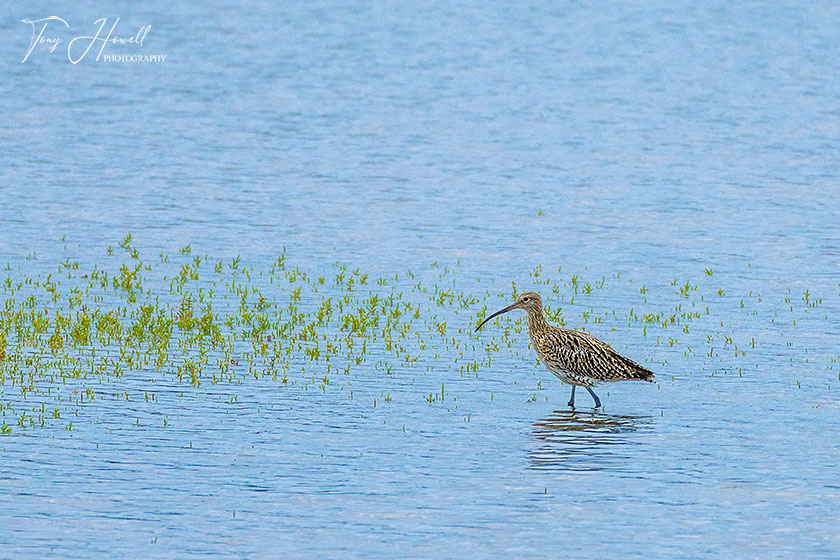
(496, 314)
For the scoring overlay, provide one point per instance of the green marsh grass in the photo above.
(78, 335)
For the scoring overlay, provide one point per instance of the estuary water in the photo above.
(631, 162)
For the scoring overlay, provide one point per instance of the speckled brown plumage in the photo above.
(577, 358)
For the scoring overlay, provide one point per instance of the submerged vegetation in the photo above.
(121, 329)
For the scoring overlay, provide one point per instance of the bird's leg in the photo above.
(594, 396)
(572, 398)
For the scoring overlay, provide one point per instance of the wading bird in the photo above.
(575, 357)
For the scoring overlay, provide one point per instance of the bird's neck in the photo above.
(536, 322)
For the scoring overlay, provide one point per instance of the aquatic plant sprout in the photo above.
(70, 337)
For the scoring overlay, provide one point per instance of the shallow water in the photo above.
(635, 145)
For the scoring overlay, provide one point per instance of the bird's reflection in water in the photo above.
(571, 440)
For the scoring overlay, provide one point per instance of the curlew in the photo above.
(577, 358)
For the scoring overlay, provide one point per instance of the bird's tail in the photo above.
(640, 372)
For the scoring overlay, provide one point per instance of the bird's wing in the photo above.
(584, 355)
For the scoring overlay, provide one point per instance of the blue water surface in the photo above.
(624, 141)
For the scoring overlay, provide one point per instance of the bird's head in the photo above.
(529, 301)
